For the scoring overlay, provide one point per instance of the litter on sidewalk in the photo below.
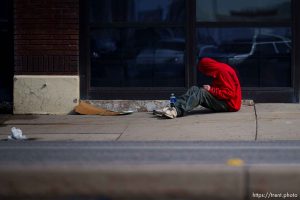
(235, 162)
(16, 134)
(87, 109)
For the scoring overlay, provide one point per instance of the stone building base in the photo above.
(38, 94)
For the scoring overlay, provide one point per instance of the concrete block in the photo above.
(45, 94)
(134, 105)
(140, 105)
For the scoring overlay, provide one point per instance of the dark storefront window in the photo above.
(6, 52)
(137, 43)
(146, 49)
(243, 10)
(255, 37)
(110, 11)
(262, 56)
(137, 57)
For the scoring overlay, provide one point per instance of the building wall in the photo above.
(46, 56)
(46, 42)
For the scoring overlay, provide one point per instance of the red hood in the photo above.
(225, 85)
(209, 67)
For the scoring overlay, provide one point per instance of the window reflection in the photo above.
(262, 56)
(145, 57)
(137, 11)
(4, 11)
(243, 10)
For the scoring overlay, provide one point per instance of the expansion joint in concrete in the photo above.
(122, 133)
(256, 122)
(247, 183)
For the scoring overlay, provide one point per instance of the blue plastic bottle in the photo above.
(172, 100)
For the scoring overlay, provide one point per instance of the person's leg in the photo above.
(196, 96)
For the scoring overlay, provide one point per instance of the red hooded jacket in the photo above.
(225, 85)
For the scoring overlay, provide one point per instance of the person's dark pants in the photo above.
(196, 96)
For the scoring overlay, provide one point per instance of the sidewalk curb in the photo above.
(150, 182)
(124, 182)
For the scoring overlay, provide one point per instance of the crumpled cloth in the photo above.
(16, 134)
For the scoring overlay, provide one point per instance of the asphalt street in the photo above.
(107, 153)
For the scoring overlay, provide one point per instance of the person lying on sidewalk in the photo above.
(223, 95)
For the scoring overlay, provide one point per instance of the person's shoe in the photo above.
(170, 113)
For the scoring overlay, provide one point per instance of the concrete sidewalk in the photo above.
(258, 122)
(167, 181)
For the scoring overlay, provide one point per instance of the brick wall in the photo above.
(46, 36)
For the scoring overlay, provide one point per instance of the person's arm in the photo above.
(224, 92)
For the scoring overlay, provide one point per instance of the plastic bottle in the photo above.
(172, 100)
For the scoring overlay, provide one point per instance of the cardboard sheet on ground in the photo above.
(88, 109)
